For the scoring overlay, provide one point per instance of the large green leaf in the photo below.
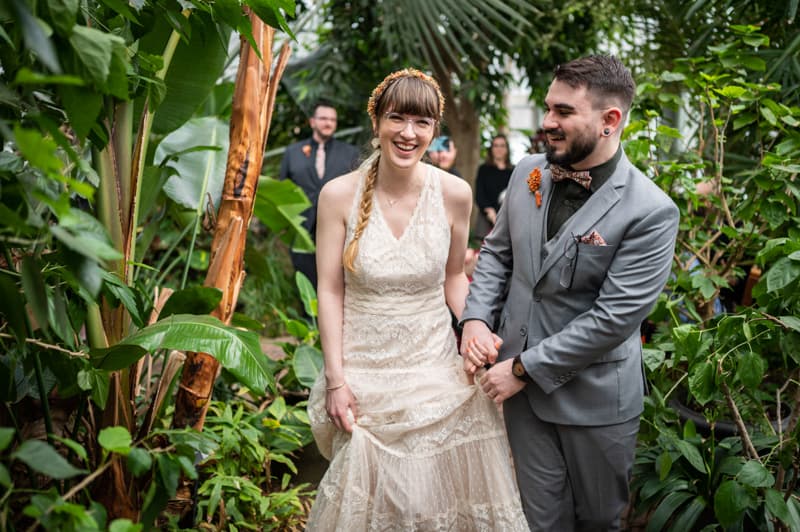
(42, 458)
(194, 300)
(139, 461)
(117, 357)
(777, 505)
(701, 382)
(238, 351)
(194, 70)
(688, 516)
(97, 382)
(730, 502)
(666, 509)
(653, 358)
(792, 322)
(782, 273)
(279, 205)
(754, 474)
(34, 34)
(794, 513)
(272, 12)
(95, 49)
(307, 293)
(199, 172)
(307, 363)
(63, 14)
(115, 440)
(750, 370)
(125, 295)
(82, 106)
(691, 454)
(84, 234)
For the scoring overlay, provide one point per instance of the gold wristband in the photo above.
(332, 388)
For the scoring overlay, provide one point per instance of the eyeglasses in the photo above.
(421, 124)
(571, 254)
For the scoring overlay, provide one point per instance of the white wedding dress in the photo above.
(428, 451)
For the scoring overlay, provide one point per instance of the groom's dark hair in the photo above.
(604, 76)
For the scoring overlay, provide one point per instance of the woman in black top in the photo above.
(492, 179)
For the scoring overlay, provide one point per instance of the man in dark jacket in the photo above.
(310, 164)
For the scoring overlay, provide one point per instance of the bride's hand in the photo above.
(342, 408)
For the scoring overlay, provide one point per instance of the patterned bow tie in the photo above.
(581, 177)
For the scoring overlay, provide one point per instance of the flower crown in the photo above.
(378, 91)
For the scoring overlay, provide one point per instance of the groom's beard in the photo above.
(579, 149)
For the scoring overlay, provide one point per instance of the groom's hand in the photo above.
(499, 383)
(478, 345)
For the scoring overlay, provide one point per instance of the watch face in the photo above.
(518, 369)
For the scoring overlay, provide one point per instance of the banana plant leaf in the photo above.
(197, 151)
(237, 351)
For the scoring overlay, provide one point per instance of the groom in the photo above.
(585, 242)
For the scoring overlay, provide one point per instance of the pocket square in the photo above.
(593, 239)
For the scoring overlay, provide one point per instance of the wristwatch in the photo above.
(519, 370)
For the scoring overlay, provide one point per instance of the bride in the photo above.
(412, 443)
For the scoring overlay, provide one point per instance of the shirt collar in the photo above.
(602, 172)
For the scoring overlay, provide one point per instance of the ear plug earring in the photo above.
(606, 132)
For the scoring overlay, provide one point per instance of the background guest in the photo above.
(443, 154)
(492, 179)
(310, 164)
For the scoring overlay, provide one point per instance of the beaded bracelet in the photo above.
(332, 388)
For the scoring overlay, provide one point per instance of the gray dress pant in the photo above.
(570, 477)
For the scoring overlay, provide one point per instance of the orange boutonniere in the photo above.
(307, 150)
(534, 180)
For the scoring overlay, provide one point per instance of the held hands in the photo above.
(340, 403)
(479, 346)
(499, 383)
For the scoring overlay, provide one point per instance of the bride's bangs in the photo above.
(411, 96)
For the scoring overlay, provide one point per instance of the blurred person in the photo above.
(310, 164)
(443, 153)
(491, 182)
(413, 444)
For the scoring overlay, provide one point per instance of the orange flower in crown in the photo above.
(534, 181)
(306, 150)
(378, 91)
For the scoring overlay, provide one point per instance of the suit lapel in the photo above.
(583, 221)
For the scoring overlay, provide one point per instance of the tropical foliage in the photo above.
(112, 172)
(729, 151)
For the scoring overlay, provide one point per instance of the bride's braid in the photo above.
(364, 210)
(405, 91)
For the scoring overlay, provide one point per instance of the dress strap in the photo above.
(352, 219)
(436, 203)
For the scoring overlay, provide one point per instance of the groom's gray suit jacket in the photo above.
(580, 343)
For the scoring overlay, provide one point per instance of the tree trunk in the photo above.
(252, 109)
(463, 123)
(253, 102)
